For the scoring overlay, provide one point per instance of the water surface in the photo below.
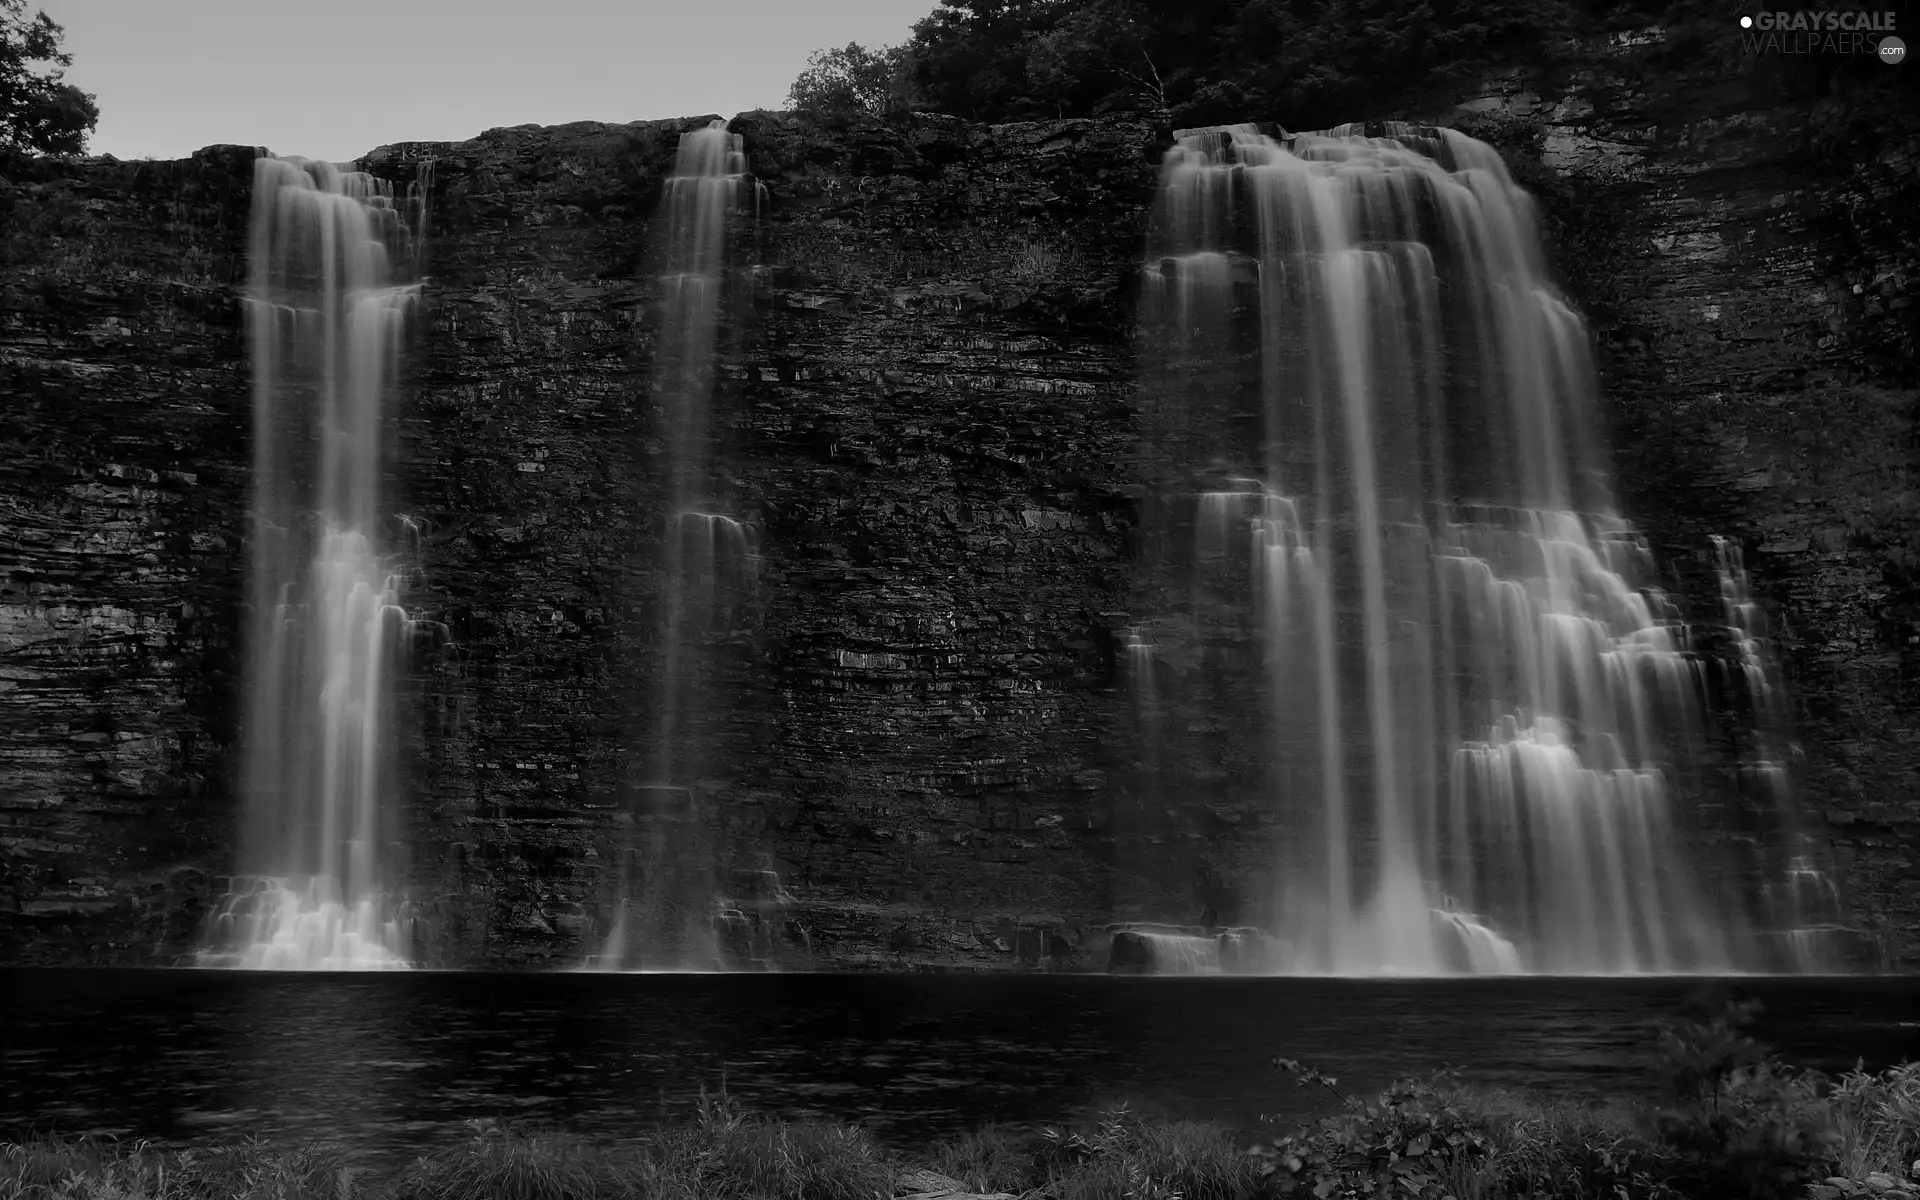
(395, 1063)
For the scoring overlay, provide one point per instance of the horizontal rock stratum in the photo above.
(926, 371)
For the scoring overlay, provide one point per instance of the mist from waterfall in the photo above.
(1375, 423)
(327, 306)
(669, 908)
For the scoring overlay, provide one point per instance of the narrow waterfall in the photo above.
(1801, 902)
(669, 909)
(326, 312)
(1382, 510)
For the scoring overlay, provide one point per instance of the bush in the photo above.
(1876, 1121)
(728, 1153)
(1743, 1124)
(501, 1164)
(1123, 1155)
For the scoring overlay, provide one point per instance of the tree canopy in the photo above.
(1306, 63)
(852, 79)
(39, 113)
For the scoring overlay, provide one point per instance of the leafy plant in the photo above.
(1877, 1121)
(852, 79)
(39, 112)
(1412, 1141)
(1307, 63)
(1743, 1124)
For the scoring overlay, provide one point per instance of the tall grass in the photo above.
(87, 1168)
(1876, 1121)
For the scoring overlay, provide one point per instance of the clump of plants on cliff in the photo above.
(40, 113)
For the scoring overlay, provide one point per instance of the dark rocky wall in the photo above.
(123, 481)
(1743, 235)
(926, 392)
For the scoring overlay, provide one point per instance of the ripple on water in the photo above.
(402, 1064)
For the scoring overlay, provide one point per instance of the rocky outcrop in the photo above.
(925, 391)
(1140, 949)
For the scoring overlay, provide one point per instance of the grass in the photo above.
(1737, 1126)
(1877, 1122)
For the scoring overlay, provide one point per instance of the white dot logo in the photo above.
(1746, 22)
(1893, 51)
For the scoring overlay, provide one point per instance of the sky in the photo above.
(334, 79)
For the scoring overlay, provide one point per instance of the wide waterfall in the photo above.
(669, 907)
(1383, 543)
(326, 312)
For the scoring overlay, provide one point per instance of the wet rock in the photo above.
(1251, 952)
(926, 390)
(922, 1184)
(1144, 952)
(1130, 954)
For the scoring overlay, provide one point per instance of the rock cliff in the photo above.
(925, 387)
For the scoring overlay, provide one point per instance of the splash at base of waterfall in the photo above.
(302, 924)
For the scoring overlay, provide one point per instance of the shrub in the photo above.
(1743, 1125)
(1125, 1156)
(500, 1164)
(728, 1152)
(1876, 1121)
(1413, 1136)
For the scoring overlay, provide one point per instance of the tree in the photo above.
(1097, 57)
(39, 114)
(852, 79)
(970, 56)
(1305, 63)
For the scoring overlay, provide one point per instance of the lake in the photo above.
(394, 1062)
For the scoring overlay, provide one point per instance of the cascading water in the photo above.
(669, 907)
(320, 850)
(1801, 901)
(1375, 454)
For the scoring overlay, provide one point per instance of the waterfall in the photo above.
(1801, 901)
(669, 912)
(320, 852)
(1375, 455)
(1180, 955)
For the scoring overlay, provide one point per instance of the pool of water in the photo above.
(394, 1063)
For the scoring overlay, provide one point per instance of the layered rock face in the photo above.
(1737, 239)
(926, 401)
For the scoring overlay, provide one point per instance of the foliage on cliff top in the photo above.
(852, 79)
(1308, 63)
(39, 113)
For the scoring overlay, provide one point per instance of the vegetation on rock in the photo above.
(852, 79)
(1310, 63)
(39, 113)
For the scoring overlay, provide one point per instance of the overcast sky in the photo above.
(336, 78)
